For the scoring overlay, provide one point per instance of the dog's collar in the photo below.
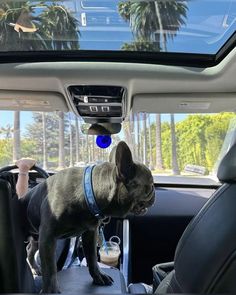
(89, 194)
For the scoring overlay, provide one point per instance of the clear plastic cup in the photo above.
(110, 252)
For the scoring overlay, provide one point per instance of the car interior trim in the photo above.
(125, 263)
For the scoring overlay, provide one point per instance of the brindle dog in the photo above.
(57, 208)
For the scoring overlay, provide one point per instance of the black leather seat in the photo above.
(15, 274)
(205, 258)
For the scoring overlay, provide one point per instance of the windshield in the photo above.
(178, 148)
(154, 26)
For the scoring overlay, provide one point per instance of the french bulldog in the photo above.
(56, 208)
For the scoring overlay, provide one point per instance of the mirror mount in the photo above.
(101, 128)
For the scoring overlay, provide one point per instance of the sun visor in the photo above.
(185, 103)
(32, 101)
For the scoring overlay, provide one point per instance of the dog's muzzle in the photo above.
(142, 207)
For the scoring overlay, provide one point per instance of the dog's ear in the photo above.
(124, 162)
(112, 155)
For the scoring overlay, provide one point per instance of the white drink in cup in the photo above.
(110, 252)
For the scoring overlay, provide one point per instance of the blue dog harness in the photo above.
(89, 194)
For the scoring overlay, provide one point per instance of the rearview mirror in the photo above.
(101, 128)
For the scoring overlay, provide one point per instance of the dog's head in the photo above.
(136, 177)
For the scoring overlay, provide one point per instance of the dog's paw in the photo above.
(52, 290)
(103, 279)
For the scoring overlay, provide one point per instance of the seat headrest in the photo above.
(227, 168)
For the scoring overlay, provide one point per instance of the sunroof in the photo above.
(201, 27)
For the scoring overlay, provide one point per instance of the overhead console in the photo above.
(99, 103)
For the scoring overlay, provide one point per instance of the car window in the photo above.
(179, 148)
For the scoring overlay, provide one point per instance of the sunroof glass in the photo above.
(150, 26)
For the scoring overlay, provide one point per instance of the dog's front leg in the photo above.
(47, 247)
(31, 249)
(89, 239)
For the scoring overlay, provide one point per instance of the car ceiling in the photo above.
(151, 88)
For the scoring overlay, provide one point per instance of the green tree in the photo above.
(35, 132)
(5, 152)
(166, 145)
(10, 39)
(60, 28)
(215, 135)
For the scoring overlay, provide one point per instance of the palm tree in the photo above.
(159, 161)
(153, 22)
(71, 142)
(16, 136)
(54, 29)
(61, 163)
(150, 142)
(138, 136)
(175, 166)
(60, 28)
(45, 153)
(12, 36)
(145, 138)
(76, 139)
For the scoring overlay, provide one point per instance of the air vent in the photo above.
(99, 103)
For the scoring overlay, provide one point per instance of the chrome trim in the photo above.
(125, 262)
(70, 253)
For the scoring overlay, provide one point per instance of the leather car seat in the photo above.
(205, 257)
(15, 274)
